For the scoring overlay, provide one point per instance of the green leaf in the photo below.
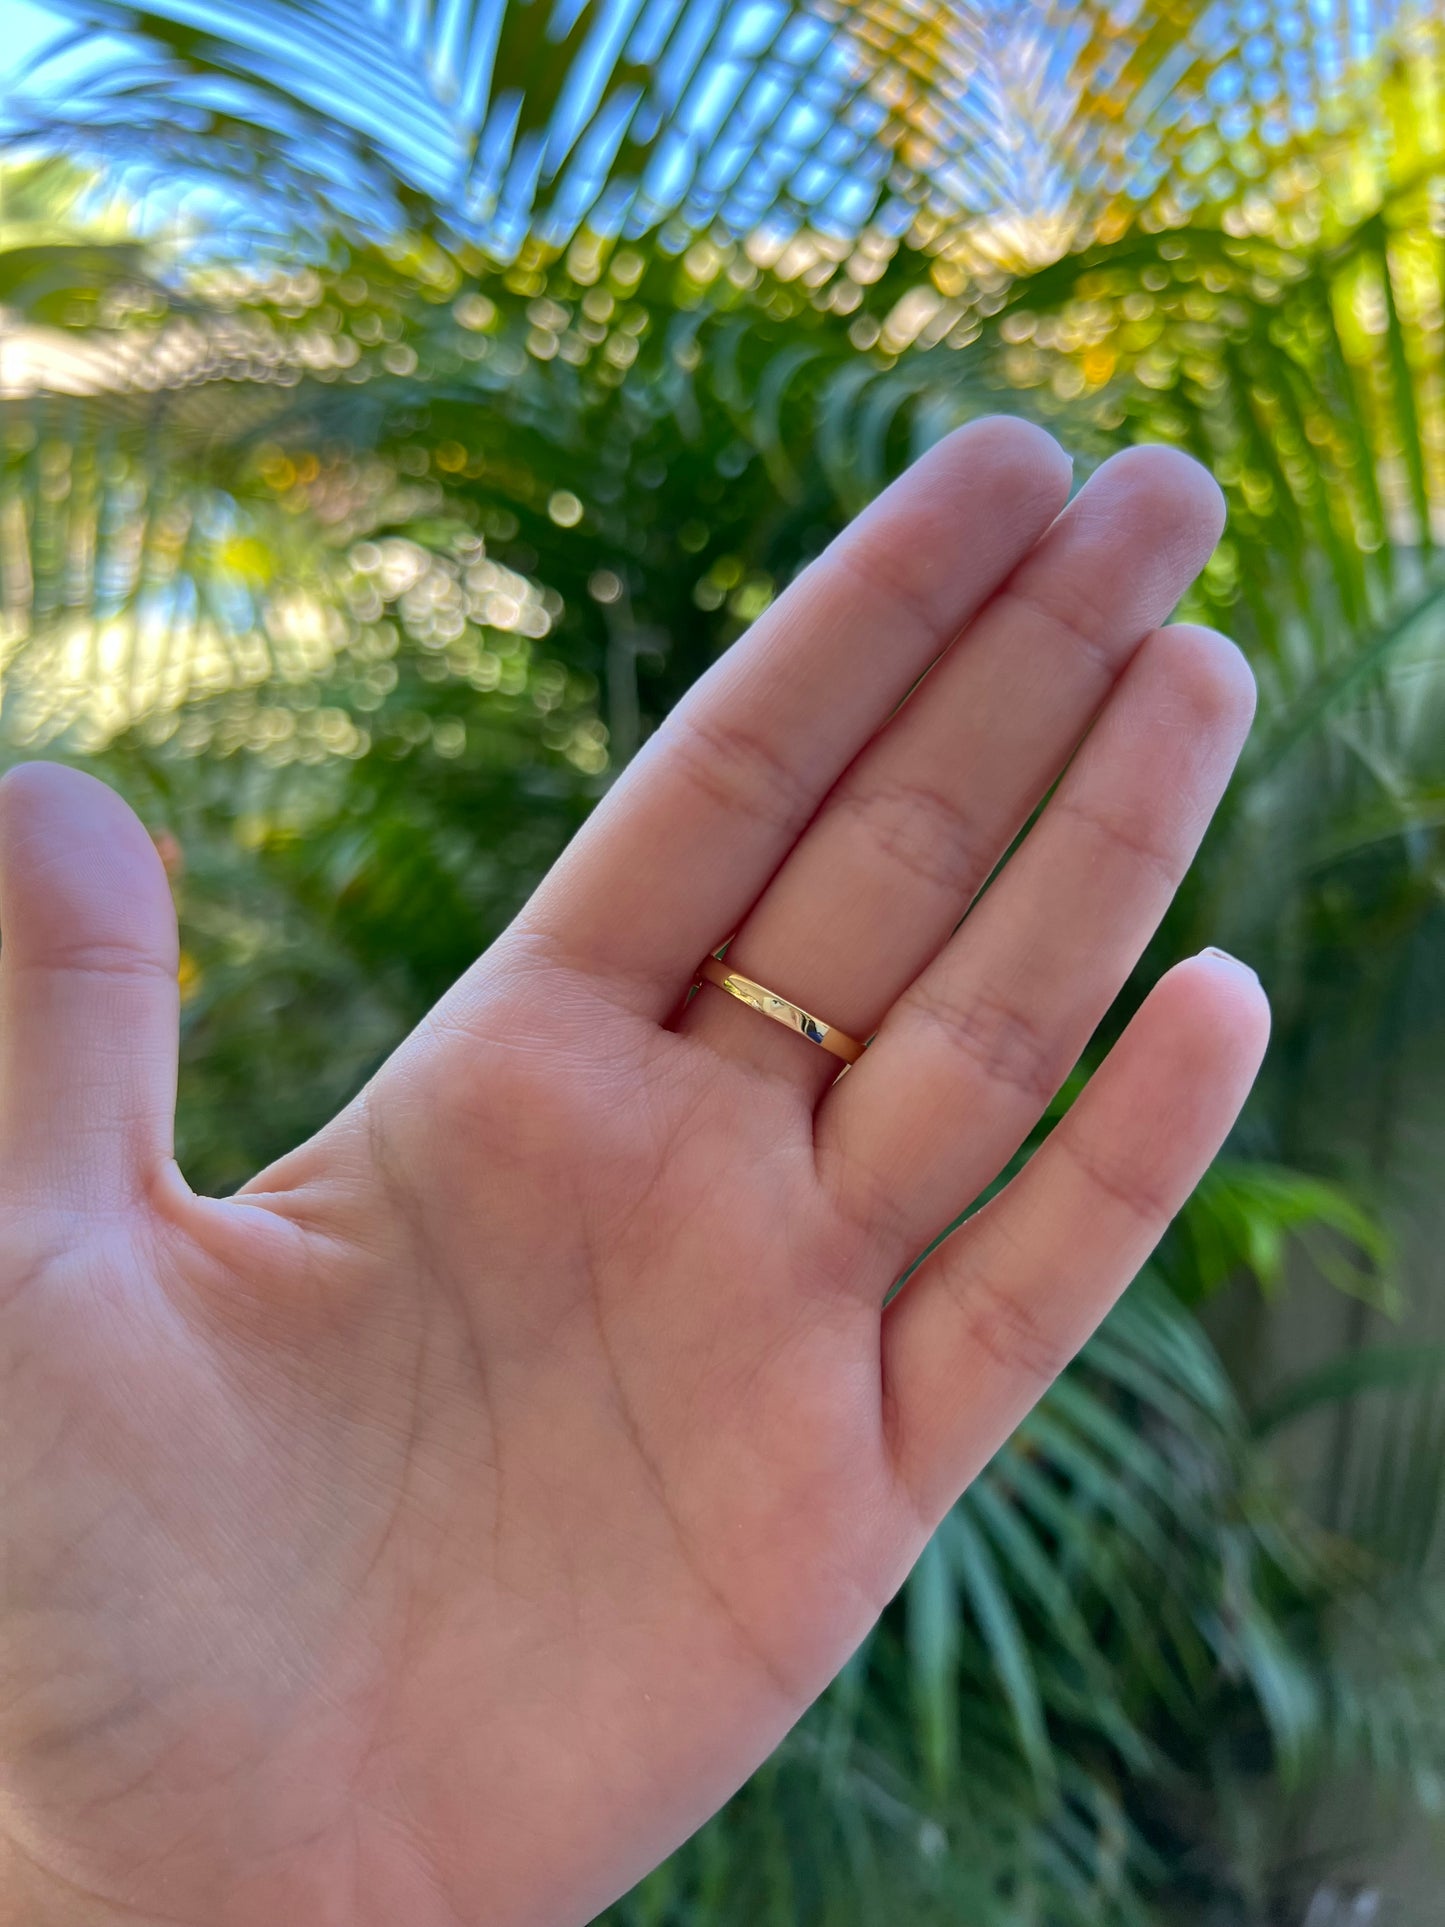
(989, 1602)
(933, 1653)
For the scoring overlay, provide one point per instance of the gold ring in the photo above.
(782, 1011)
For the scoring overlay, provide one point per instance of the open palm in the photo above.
(442, 1528)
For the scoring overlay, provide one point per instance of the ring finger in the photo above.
(912, 829)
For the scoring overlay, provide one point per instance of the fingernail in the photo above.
(1226, 956)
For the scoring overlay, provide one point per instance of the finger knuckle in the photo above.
(999, 1038)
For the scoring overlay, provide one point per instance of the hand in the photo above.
(439, 1530)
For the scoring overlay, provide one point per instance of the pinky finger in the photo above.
(992, 1317)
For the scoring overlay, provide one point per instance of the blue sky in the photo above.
(25, 27)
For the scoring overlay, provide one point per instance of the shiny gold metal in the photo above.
(758, 997)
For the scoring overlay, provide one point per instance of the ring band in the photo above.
(782, 1011)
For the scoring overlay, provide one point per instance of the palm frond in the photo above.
(991, 136)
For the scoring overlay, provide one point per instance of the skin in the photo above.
(441, 1529)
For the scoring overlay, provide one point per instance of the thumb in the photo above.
(89, 1002)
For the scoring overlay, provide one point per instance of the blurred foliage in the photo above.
(980, 131)
(361, 530)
